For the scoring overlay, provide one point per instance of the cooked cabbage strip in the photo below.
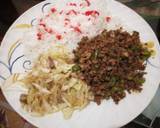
(52, 87)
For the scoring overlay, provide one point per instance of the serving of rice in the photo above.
(66, 23)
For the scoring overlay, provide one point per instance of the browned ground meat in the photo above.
(111, 63)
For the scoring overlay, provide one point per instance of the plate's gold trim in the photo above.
(23, 26)
(13, 46)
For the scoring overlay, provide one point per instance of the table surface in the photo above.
(148, 9)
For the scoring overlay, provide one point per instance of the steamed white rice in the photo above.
(89, 25)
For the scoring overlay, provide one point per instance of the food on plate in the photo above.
(66, 23)
(112, 63)
(103, 65)
(53, 87)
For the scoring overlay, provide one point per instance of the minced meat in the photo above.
(112, 63)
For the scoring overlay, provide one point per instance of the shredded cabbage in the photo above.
(52, 86)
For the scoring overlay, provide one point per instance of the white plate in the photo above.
(107, 115)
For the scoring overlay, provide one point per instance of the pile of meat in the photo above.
(112, 63)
